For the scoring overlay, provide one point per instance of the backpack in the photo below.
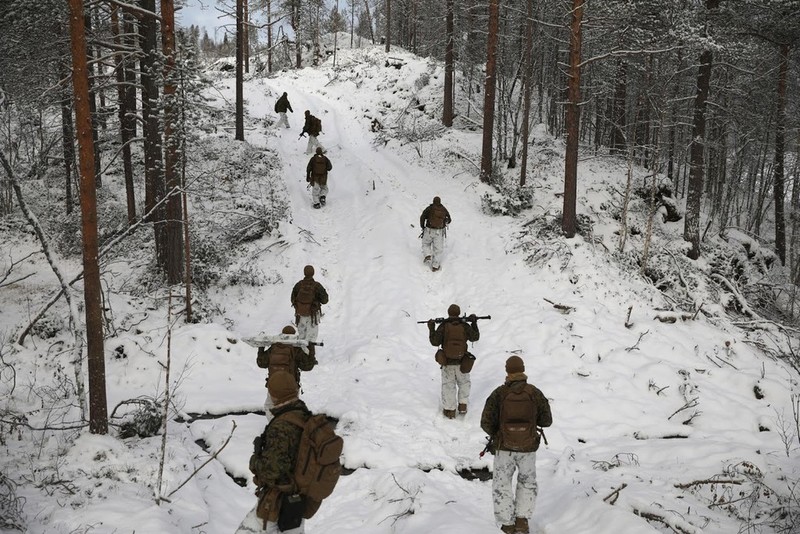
(518, 420)
(276, 106)
(306, 297)
(316, 125)
(455, 339)
(437, 216)
(318, 467)
(320, 166)
(282, 359)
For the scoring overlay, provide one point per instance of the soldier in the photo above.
(273, 461)
(308, 296)
(452, 335)
(317, 175)
(434, 221)
(511, 416)
(280, 108)
(285, 357)
(313, 127)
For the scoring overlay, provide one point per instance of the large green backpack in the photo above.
(305, 300)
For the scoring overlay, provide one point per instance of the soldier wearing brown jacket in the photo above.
(452, 336)
(434, 221)
(511, 417)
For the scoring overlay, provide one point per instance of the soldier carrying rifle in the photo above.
(456, 362)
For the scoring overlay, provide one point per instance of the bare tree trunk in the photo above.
(174, 219)
(489, 91)
(67, 136)
(98, 405)
(98, 176)
(124, 118)
(527, 80)
(691, 229)
(269, 35)
(388, 24)
(239, 73)
(569, 214)
(369, 20)
(780, 143)
(447, 112)
(618, 136)
(246, 38)
(298, 45)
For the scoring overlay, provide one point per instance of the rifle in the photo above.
(463, 318)
(540, 430)
(302, 134)
(489, 446)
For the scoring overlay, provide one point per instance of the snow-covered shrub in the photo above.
(507, 201)
(48, 326)
(144, 421)
(210, 258)
(10, 505)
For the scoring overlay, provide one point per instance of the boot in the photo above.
(508, 529)
(521, 526)
(322, 200)
(450, 414)
(426, 259)
(434, 269)
(316, 206)
(462, 408)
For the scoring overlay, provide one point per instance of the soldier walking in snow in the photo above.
(317, 175)
(312, 127)
(434, 221)
(281, 106)
(308, 296)
(510, 417)
(456, 363)
(289, 356)
(274, 458)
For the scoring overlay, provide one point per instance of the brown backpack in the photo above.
(436, 216)
(455, 339)
(305, 302)
(316, 126)
(318, 466)
(518, 420)
(319, 169)
(281, 358)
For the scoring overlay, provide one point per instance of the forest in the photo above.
(698, 100)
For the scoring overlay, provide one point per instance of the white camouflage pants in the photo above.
(455, 387)
(509, 504)
(283, 120)
(307, 328)
(313, 142)
(252, 523)
(433, 245)
(318, 191)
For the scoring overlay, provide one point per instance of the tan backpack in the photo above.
(318, 466)
(305, 301)
(518, 420)
(281, 358)
(436, 216)
(455, 339)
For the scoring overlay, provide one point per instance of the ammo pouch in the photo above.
(467, 361)
(293, 506)
(440, 358)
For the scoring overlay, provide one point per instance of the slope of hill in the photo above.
(683, 426)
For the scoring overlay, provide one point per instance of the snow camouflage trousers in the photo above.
(313, 143)
(433, 245)
(455, 387)
(252, 523)
(318, 191)
(307, 327)
(509, 504)
(284, 121)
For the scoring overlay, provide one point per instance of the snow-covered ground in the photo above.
(646, 414)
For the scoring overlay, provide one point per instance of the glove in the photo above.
(472, 318)
(431, 324)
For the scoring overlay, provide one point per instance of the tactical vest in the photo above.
(455, 340)
(437, 216)
(281, 358)
(518, 414)
(305, 302)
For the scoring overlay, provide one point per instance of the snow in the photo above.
(618, 394)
